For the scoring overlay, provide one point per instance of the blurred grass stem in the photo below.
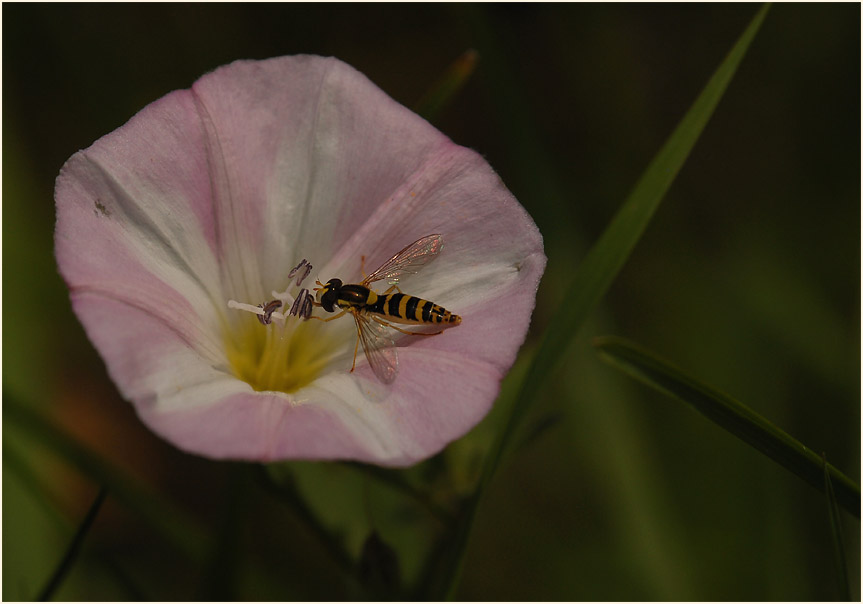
(286, 492)
(42, 493)
(445, 89)
(74, 547)
(835, 523)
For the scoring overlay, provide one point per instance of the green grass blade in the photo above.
(444, 90)
(219, 579)
(835, 523)
(608, 255)
(731, 414)
(601, 266)
(72, 552)
(396, 480)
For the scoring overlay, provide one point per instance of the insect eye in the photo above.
(328, 301)
(329, 294)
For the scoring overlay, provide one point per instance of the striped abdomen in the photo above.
(402, 308)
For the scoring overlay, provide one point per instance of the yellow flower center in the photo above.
(282, 356)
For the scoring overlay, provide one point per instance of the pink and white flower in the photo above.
(215, 193)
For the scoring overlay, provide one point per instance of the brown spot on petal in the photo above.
(100, 209)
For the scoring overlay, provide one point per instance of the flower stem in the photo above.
(395, 480)
(286, 492)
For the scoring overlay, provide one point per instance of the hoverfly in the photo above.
(374, 313)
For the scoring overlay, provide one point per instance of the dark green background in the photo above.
(749, 276)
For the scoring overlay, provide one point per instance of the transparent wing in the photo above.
(408, 261)
(378, 347)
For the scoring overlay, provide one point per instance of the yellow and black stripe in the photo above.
(402, 308)
(395, 307)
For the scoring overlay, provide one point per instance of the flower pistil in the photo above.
(288, 354)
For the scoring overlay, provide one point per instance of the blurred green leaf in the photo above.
(30, 339)
(730, 414)
(444, 90)
(277, 479)
(173, 524)
(177, 527)
(602, 264)
(14, 463)
(836, 532)
(219, 579)
(539, 428)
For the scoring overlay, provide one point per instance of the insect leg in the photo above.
(410, 333)
(341, 314)
(356, 347)
(390, 290)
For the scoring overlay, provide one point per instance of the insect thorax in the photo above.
(355, 295)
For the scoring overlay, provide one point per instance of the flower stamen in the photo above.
(302, 306)
(296, 271)
(269, 308)
(287, 354)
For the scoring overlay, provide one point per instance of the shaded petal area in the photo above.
(345, 416)
(297, 134)
(135, 222)
(260, 426)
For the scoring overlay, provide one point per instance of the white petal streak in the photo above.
(421, 412)
(237, 222)
(158, 233)
(150, 360)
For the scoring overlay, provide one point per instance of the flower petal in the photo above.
(435, 399)
(134, 221)
(157, 367)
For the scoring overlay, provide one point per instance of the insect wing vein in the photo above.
(408, 261)
(378, 347)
